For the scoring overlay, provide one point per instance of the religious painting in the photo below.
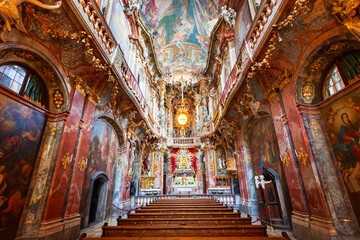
(242, 24)
(181, 30)
(102, 156)
(20, 136)
(120, 27)
(263, 144)
(342, 121)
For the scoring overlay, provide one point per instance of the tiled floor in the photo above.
(95, 230)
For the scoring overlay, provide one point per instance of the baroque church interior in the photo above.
(180, 118)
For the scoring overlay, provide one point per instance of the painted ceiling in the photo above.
(181, 31)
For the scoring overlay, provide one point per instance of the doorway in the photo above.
(97, 198)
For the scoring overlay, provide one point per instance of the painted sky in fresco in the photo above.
(181, 31)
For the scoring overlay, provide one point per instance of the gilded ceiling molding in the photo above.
(278, 85)
(347, 12)
(11, 12)
(93, 13)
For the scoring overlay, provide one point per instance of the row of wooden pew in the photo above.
(185, 218)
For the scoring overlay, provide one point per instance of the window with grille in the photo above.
(345, 71)
(24, 82)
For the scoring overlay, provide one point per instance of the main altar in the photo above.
(184, 178)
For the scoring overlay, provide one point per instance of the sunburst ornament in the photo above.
(182, 119)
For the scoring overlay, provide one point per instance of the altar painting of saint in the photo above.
(145, 170)
(342, 122)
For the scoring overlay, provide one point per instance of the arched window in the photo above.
(345, 71)
(24, 82)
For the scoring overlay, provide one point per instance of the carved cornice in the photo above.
(278, 85)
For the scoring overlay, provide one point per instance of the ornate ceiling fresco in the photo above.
(181, 31)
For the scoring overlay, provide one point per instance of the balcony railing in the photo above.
(184, 141)
(134, 87)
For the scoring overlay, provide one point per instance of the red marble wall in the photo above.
(297, 200)
(57, 195)
(313, 188)
(244, 191)
(77, 180)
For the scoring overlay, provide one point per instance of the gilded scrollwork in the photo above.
(308, 92)
(278, 85)
(58, 99)
(285, 159)
(82, 164)
(303, 157)
(66, 160)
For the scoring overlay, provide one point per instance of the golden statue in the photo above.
(10, 12)
(347, 12)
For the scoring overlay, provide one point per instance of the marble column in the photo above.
(318, 208)
(252, 203)
(31, 222)
(65, 159)
(342, 217)
(162, 103)
(204, 109)
(300, 214)
(209, 159)
(169, 108)
(198, 126)
(159, 161)
(211, 104)
(72, 215)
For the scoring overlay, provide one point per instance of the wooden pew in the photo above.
(185, 231)
(184, 238)
(183, 221)
(184, 210)
(185, 215)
